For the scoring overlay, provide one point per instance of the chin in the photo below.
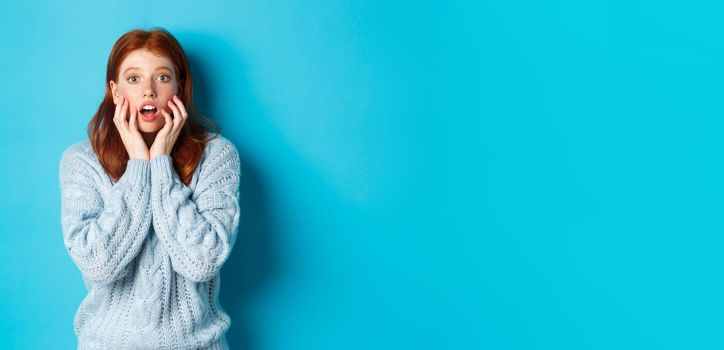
(149, 129)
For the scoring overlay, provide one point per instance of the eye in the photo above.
(131, 77)
(164, 76)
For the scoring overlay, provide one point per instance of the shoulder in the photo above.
(81, 150)
(219, 143)
(220, 148)
(79, 158)
(220, 154)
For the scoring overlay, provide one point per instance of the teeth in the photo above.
(148, 108)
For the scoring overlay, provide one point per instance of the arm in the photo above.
(197, 229)
(103, 233)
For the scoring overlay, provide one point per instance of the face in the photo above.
(146, 78)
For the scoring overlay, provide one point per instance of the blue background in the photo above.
(417, 175)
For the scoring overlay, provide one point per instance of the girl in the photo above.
(150, 206)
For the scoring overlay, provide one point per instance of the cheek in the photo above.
(131, 103)
(166, 94)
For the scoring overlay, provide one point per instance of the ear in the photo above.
(114, 92)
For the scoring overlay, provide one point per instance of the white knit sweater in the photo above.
(149, 248)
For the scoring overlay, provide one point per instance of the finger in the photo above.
(118, 106)
(182, 111)
(169, 123)
(121, 119)
(129, 112)
(176, 112)
(134, 113)
(176, 116)
(134, 123)
(178, 123)
(181, 107)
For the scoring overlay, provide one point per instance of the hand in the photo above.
(167, 136)
(131, 137)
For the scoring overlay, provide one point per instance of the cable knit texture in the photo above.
(149, 248)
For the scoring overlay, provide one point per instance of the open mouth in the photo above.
(148, 111)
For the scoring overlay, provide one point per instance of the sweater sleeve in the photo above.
(198, 228)
(103, 230)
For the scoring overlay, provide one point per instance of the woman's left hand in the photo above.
(167, 136)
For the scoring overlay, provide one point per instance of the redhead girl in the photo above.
(150, 206)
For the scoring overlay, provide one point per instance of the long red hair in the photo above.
(102, 132)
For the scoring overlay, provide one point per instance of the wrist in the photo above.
(139, 155)
(154, 154)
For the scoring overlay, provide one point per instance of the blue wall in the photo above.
(519, 175)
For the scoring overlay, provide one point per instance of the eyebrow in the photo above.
(157, 69)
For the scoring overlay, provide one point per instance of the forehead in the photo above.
(144, 59)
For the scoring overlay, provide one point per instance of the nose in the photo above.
(149, 91)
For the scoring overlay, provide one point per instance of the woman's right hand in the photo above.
(132, 139)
